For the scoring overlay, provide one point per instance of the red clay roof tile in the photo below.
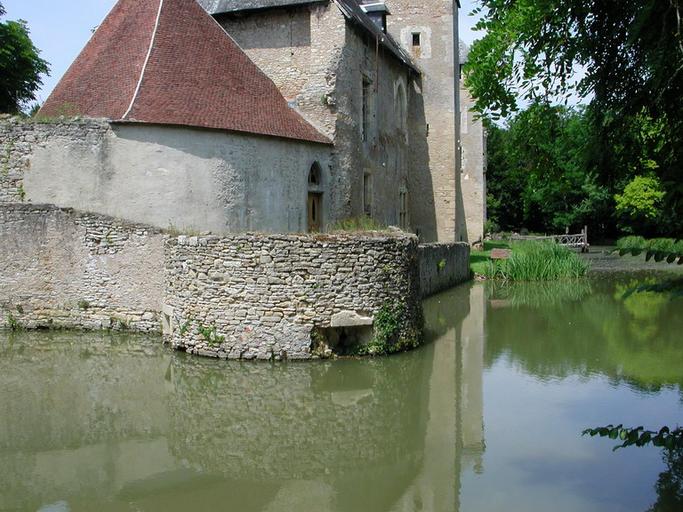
(195, 75)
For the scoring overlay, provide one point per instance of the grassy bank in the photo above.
(529, 261)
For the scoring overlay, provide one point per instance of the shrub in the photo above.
(538, 261)
(640, 205)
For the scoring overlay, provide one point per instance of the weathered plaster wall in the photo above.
(443, 266)
(436, 22)
(261, 297)
(19, 139)
(473, 177)
(183, 178)
(60, 269)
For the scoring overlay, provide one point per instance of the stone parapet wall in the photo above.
(270, 297)
(63, 269)
(19, 138)
(443, 266)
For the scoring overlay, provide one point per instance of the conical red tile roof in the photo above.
(169, 62)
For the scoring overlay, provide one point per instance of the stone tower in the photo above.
(428, 29)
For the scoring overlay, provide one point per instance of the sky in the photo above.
(61, 28)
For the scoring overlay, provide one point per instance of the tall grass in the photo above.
(538, 261)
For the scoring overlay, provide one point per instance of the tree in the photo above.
(540, 174)
(640, 204)
(625, 58)
(20, 66)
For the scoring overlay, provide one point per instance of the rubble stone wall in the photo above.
(263, 297)
(63, 269)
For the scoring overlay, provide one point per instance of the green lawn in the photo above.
(479, 259)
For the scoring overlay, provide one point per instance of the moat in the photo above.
(486, 416)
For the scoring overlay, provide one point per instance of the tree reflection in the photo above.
(669, 485)
(562, 329)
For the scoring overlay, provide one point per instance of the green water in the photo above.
(486, 417)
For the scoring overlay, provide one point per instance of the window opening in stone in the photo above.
(365, 114)
(403, 208)
(314, 212)
(367, 194)
(417, 43)
(314, 176)
(401, 108)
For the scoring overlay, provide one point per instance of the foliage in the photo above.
(664, 438)
(669, 485)
(659, 249)
(640, 205)
(20, 66)
(12, 323)
(391, 333)
(538, 261)
(358, 224)
(491, 226)
(540, 172)
(623, 58)
(631, 53)
(210, 335)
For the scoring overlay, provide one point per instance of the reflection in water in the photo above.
(110, 423)
(590, 328)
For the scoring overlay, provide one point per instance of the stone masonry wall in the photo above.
(263, 297)
(62, 269)
(443, 266)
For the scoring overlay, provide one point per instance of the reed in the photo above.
(538, 261)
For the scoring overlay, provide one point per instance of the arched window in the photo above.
(401, 107)
(315, 176)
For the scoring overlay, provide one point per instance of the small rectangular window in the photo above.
(416, 39)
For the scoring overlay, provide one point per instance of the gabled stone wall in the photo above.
(270, 297)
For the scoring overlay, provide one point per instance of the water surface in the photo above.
(485, 417)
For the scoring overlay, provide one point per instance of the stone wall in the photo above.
(249, 296)
(20, 139)
(273, 297)
(62, 269)
(443, 266)
(319, 62)
(473, 177)
(168, 177)
(436, 21)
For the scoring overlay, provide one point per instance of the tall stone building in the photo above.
(473, 156)
(284, 116)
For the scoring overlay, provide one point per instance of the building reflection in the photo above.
(159, 431)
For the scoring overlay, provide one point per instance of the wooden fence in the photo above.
(574, 241)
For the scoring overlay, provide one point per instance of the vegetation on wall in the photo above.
(20, 66)
(624, 60)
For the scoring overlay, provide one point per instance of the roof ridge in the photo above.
(144, 65)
